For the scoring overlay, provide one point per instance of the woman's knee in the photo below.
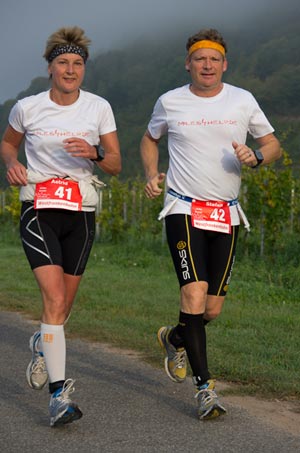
(55, 311)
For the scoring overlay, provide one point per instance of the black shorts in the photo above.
(57, 236)
(201, 255)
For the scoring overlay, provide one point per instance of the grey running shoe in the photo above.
(208, 404)
(62, 409)
(175, 359)
(36, 373)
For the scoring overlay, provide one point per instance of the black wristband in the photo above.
(259, 157)
(100, 154)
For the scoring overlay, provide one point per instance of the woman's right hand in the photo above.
(16, 173)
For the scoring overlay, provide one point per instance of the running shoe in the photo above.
(175, 359)
(62, 409)
(209, 406)
(36, 373)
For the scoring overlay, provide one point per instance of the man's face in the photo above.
(206, 67)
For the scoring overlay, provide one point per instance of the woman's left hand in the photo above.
(78, 147)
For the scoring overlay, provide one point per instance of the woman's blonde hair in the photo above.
(72, 37)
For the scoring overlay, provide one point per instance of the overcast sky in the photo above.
(26, 25)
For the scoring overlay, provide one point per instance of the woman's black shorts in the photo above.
(57, 236)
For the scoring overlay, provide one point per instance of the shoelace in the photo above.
(207, 395)
(39, 365)
(67, 389)
(179, 359)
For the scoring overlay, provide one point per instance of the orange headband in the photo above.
(204, 44)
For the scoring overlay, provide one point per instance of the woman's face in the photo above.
(67, 72)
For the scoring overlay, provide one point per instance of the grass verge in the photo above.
(129, 291)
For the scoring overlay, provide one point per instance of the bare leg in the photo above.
(213, 307)
(58, 291)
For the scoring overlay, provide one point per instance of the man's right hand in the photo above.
(152, 188)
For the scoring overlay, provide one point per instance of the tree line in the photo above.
(265, 61)
(269, 197)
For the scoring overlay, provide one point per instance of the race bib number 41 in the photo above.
(211, 215)
(57, 193)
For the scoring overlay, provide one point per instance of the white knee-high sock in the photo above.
(54, 350)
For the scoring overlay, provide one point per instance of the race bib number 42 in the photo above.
(57, 193)
(211, 215)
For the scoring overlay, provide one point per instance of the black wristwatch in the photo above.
(100, 153)
(259, 157)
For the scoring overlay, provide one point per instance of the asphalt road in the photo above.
(128, 406)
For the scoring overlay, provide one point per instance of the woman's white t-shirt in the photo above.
(46, 124)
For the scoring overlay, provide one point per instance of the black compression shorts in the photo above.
(201, 255)
(57, 236)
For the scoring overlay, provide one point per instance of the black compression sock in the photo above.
(175, 338)
(53, 386)
(191, 329)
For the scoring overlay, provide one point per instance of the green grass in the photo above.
(129, 290)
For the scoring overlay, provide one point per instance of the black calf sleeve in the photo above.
(175, 338)
(191, 329)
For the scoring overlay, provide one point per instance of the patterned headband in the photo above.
(67, 48)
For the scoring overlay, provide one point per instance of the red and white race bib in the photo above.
(211, 215)
(57, 193)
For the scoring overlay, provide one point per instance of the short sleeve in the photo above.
(158, 125)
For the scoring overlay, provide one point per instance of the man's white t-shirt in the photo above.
(46, 124)
(202, 163)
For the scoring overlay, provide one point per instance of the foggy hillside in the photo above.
(264, 59)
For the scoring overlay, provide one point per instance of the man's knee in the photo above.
(193, 297)
(210, 315)
(213, 307)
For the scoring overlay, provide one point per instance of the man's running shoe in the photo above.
(36, 373)
(62, 409)
(175, 359)
(208, 404)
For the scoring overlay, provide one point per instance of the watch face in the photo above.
(259, 156)
(100, 152)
